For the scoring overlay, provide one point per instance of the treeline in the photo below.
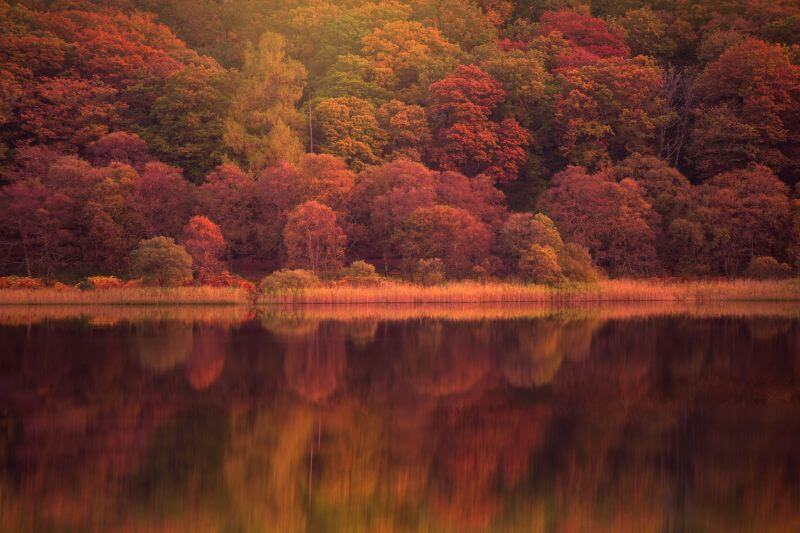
(541, 140)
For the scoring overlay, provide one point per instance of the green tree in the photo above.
(539, 264)
(260, 128)
(186, 124)
(160, 261)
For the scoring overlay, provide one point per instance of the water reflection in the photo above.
(627, 418)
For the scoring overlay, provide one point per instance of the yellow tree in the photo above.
(260, 129)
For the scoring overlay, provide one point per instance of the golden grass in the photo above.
(604, 291)
(532, 310)
(127, 296)
(294, 315)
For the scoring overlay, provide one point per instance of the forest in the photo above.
(195, 141)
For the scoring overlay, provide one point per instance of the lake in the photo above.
(378, 418)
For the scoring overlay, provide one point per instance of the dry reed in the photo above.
(604, 291)
(127, 296)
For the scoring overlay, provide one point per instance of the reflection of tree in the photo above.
(483, 454)
(314, 364)
(161, 346)
(207, 358)
(442, 358)
(183, 466)
(286, 324)
(266, 468)
(360, 332)
(532, 352)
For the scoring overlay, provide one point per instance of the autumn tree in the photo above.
(231, 199)
(406, 57)
(259, 130)
(465, 137)
(451, 234)
(610, 218)
(160, 261)
(381, 200)
(521, 231)
(744, 214)
(749, 105)
(609, 109)
(164, 200)
(186, 123)
(407, 131)
(313, 239)
(204, 242)
(119, 147)
(460, 21)
(539, 264)
(347, 127)
(585, 32)
(670, 195)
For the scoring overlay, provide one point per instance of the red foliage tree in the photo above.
(119, 147)
(205, 243)
(744, 214)
(451, 234)
(230, 198)
(585, 32)
(164, 200)
(313, 240)
(749, 109)
(611, 219)
(382, 198)
(465, 139)
(609, 109)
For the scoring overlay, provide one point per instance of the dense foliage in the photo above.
(659, 138)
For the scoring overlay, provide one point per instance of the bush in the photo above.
(576, 263)
(162, 262)
(289, 280)
(104, 282)
(19, 282)
(767, 268)
(539, 264)
(359, 274)
(429, 271)
(359, 269)
(226, 279)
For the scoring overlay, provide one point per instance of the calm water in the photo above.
(400, 419)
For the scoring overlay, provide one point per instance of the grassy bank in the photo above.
(127, 296)
(604, 291)
(407, 293)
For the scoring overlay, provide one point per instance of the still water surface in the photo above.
(631, 418)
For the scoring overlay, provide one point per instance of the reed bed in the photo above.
(112, 315)
(604, 291)
(127, 296)
(532, 310)
(289, 316)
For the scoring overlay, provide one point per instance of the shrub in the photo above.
(104, 282)
(359, 269)
(361, 274)
(767, 267)
(576, 263)
(227, 279)
(20, 282)
(539, 264)
(160, 261)
(289, 280)
(429, 271)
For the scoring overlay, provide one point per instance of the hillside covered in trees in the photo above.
(537, 139)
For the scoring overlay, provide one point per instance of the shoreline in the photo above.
(391, 292)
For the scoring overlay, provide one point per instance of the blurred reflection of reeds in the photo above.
(289, 318)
